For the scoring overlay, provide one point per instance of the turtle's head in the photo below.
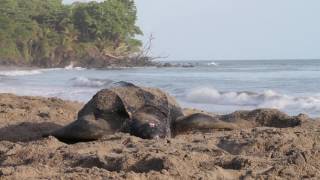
(147, 126)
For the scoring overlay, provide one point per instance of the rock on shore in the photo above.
(248, 153)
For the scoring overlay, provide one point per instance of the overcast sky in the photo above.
(232, 29)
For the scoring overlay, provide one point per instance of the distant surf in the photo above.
(90, 82)
(72, 67)
(266, 99)
(20, 72)
(213, 63)
(28, 72)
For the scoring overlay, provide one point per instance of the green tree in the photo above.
(32, 30)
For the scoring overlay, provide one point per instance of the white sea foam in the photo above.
(266, 99)
(20, 72)
(213, 64)
(90, 82)
(71, 67)
(24, 72)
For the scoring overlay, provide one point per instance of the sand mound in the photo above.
(259, 152)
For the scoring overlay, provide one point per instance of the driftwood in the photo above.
(145, 53)
(112, 56)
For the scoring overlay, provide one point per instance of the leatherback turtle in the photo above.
(151, 113)
(144, 112)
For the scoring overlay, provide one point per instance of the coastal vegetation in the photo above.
(48, 33)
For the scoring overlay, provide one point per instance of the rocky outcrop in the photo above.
(89, 57)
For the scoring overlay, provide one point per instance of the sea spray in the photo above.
(90, 82)
(71, 67)
(20, 72)
(265, 99)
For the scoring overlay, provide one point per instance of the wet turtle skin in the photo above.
(144, 112)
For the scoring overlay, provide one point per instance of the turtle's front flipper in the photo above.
(104, 114)
(81, 130)
(200, 122)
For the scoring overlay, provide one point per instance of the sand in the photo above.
(251, 153)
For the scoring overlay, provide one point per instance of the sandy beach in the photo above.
(159, 90)
(250, 153)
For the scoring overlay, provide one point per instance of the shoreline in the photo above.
(153, 64)
(184, 107)
(11, 68)
(85, 63)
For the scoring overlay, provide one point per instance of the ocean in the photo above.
(292, 86)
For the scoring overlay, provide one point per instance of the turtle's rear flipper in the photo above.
(82, 131)
(200, 122)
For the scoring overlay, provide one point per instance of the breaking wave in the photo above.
(90, 82)
(266, 99)
(26, 72)
(20, 72)
(35, 71)
(213, 64)
(71, 67)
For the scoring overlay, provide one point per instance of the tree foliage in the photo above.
(33, 30)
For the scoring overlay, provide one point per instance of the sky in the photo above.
(231, 29)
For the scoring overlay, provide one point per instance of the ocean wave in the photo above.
(24, 72)
(71, 67)
(266, 99)
(20, 72)
(213, 64)
(90, 82)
